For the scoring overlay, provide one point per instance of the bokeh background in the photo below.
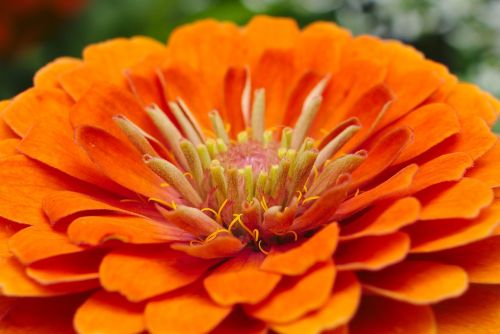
(463, 34)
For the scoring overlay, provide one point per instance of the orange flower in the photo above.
(249, 179)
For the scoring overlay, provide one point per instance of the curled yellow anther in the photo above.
(164, 185)
(170, 205)
(263, 204)
(259, 244)
(308, 199)
(295, 235)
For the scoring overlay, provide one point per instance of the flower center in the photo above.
(262, 186)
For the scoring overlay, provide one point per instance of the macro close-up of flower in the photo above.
(263, 178)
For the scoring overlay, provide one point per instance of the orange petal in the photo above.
(95, 230)
(76, 267)
(41, 315)
(296, 296)
(63, 204)
(222, 246)
(410, 89)
(369, 109)
(51, 138)
(8, 147)
(101, 102)
(344, 91)
(24, 185)
(319, 46)
(382, 219)
(338, 310)
(106, 312)
(435, 235)
(14, 282)
(36, 243)
(240, 280)
(186, 312)
(487, 167)
(467, 98)
(473, 313)
(126, 270)
(448, 167)
(475, 138)
(417, 282)
(372, 252)
(275, 72)
(5, 130)
(48, 76)
(121, 163)
(106, 62)
(297, 259)
(264, 32)
(481, 260)
(382, 155)
(380, 315)
(23, 110)
(426, 137)
(393, 187)
(463, 199)
(234, 85)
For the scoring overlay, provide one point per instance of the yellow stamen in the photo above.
(237, 219)
(259, 244)
(188, 174)
(295, 235)
(256, 235)
(171, 205)
(195, 241)
(215, 233)
(357, 193)
(164, 185)
(308, 199)
(263, 203)
(300, 195)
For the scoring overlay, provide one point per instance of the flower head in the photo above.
(249, 179)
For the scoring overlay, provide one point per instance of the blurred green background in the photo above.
(463, 34)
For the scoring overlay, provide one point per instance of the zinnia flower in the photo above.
(250, 179)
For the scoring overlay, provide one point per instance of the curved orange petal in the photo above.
(240, 280)
(106, 61)
(41, 315)
(319, 46)
(344, 91)
(23, 110)
(297, 259)
(127, 270)
(470, 99)
(425, 136)
(417, 282)
(476, 312)
(95, 230)
(48, 76)
(51, 138)
(487, 167)
(222, 246)
(187, 312)
(8, 147)
(380, 315)
(463, 199)
(481, 260)
(5, 130)
(264, 32)
(296, 296)
(447, 167)
(81, 266)
(106, 312)
(36, 243)
(384, 152)
(372, 252)
(382, 219)
(393, 187)
(121, 163)
(338, 310)
(410, 89)
(60, 205)
(14, 282)
(234, 86)
(435, 235)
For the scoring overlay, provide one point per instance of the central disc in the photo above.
(251, 153)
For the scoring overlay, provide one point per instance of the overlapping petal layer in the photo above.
(408, 242)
